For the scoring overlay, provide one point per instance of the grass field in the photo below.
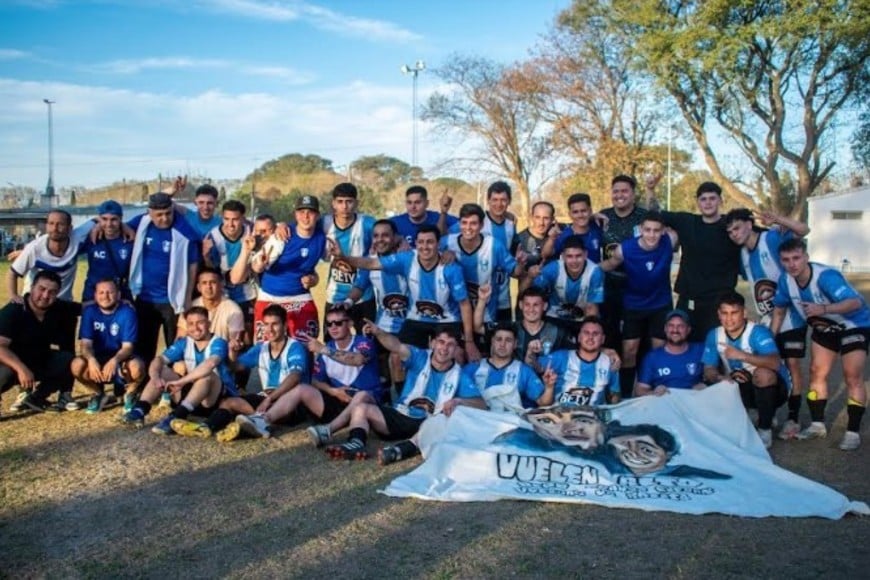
(82, 497)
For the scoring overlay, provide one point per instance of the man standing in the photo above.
(417, 214)
(162, 272)
(107, 336)
(745, 353)
(676, 365)
(501, 225)
(840, 320)
(352, 233)
(204, 219)
(582, 224)
(109, 254)
(532, 239)
(760, 266)
(31, 338)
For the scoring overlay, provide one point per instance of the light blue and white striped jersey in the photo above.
(225, 252)
(355, 240)
(568, 296)
(826, 286)
(433, 295)
(483, 266)
(184, 349)
(581, 382)
(293, 358)
(391, 297)
(761, 267)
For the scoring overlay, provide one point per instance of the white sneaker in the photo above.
(254, 425)
(851, 441)
(790, 430)
(19, 405)
(319, 435)
(766, 437)
(165, 401)
(814, 431)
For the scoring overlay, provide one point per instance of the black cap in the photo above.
(160, 200)
(308, 202)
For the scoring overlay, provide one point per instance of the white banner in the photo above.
(692, 452)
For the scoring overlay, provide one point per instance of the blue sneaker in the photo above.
(164, 427)
(134, 417)
(129, 402)
(95, 405)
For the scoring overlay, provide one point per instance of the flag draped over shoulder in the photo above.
(692, 452)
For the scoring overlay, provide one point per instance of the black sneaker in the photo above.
(35, 404)
(389, 454)
(353, 449)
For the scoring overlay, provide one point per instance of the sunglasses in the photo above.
(331, 323)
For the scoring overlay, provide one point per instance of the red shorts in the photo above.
(301, 318)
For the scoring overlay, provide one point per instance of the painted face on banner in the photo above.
(569, 425)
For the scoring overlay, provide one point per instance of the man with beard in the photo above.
(107, 336)
(501, 225)
(760, 266)
(417, 214)
(435, 384)
(575, 285)
(109, 253)
(745, 353)
(840, 320)
(586, 375)
(31, 338)
(676, 364)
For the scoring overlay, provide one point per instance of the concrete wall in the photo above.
(833, 240)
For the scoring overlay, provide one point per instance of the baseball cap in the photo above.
(676, 312)
(308, 202)
(160, 200)
(110, 206)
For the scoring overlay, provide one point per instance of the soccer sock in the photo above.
(182, 410)
(794, 407)
(219, 419)
(143, 406)
(359, 434)
(765, 398)
(407, 449)
(855, 412)
(817, 407)
(626, 381)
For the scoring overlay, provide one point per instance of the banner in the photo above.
(692, 452)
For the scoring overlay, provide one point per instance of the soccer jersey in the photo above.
(391, 297)
(107, 259)
(592, 241)
(336, 374)
(648, 283)
(408, 229)
(427, 389)
(531, 245)
(156, 256)
(200, 227)
(354, 240)
(674, 371)
(291, 260)
(760, 267)
(433, 295)
(569, 296)
(35, 257)
(620, 228)
(184, 349)
(487, 264)
(755, 339)
(505, 232)
(581, 382)
(826, 286)
(510, 388)
(293, 358)
(224, 253)
(108, 331)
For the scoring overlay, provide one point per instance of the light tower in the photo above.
(415, 70)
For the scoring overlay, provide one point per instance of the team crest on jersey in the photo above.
(166, 246)
(510, 377)
(123, 253)
(396, 304)
(304, 252)
(484, 263)
(649, 266)
(692, 368)
(114, 329)
(602, 372)
(428, 309)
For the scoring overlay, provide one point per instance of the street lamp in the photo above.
(49, 189)
(414, 71)
(670, 139)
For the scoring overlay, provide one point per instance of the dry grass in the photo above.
(81, 496)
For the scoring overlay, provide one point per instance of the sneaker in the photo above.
(95, 403)
(190, 428)
(389, 454)
(790, 430)
(766, 437)
(319, 435)
(254, 425)
(353, 449)
(851, 441)
(228, 433)
(165, 401)
(34, 404)
(814, 431)
(129, 402)
(164, 427)
(134, 417)
(19, 405)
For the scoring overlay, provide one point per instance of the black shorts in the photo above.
(399, 426)
(747, 393)
(792, 343)
(644, 323)
(332, 408)
(843, 341)
(418, 333)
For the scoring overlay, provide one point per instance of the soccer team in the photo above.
(419, 316)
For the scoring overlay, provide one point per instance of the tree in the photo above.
(381, 171)
(486, 104)
(773, 74)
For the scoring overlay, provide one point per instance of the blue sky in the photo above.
(220, 86)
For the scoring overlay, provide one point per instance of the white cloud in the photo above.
(256, 9)
(13, 54)
(135, 66)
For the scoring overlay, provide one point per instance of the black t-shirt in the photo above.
(32, 340)
(710, 261)
(530, 245)
(618, 230)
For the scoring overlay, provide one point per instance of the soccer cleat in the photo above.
(851, 441)
(164, 427)
(165, 401)
(190, 428)
(254, 425)
(766, 437)
(319, 435)
(790, 430)
(129, 402)
(814, 431)
(134, 417)
(352, 449)
(228, 433)
(389, 454)
(19, 405)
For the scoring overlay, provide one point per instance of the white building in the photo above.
(840, 229)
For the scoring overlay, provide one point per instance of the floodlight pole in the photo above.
(414, 71)
(49, 188)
